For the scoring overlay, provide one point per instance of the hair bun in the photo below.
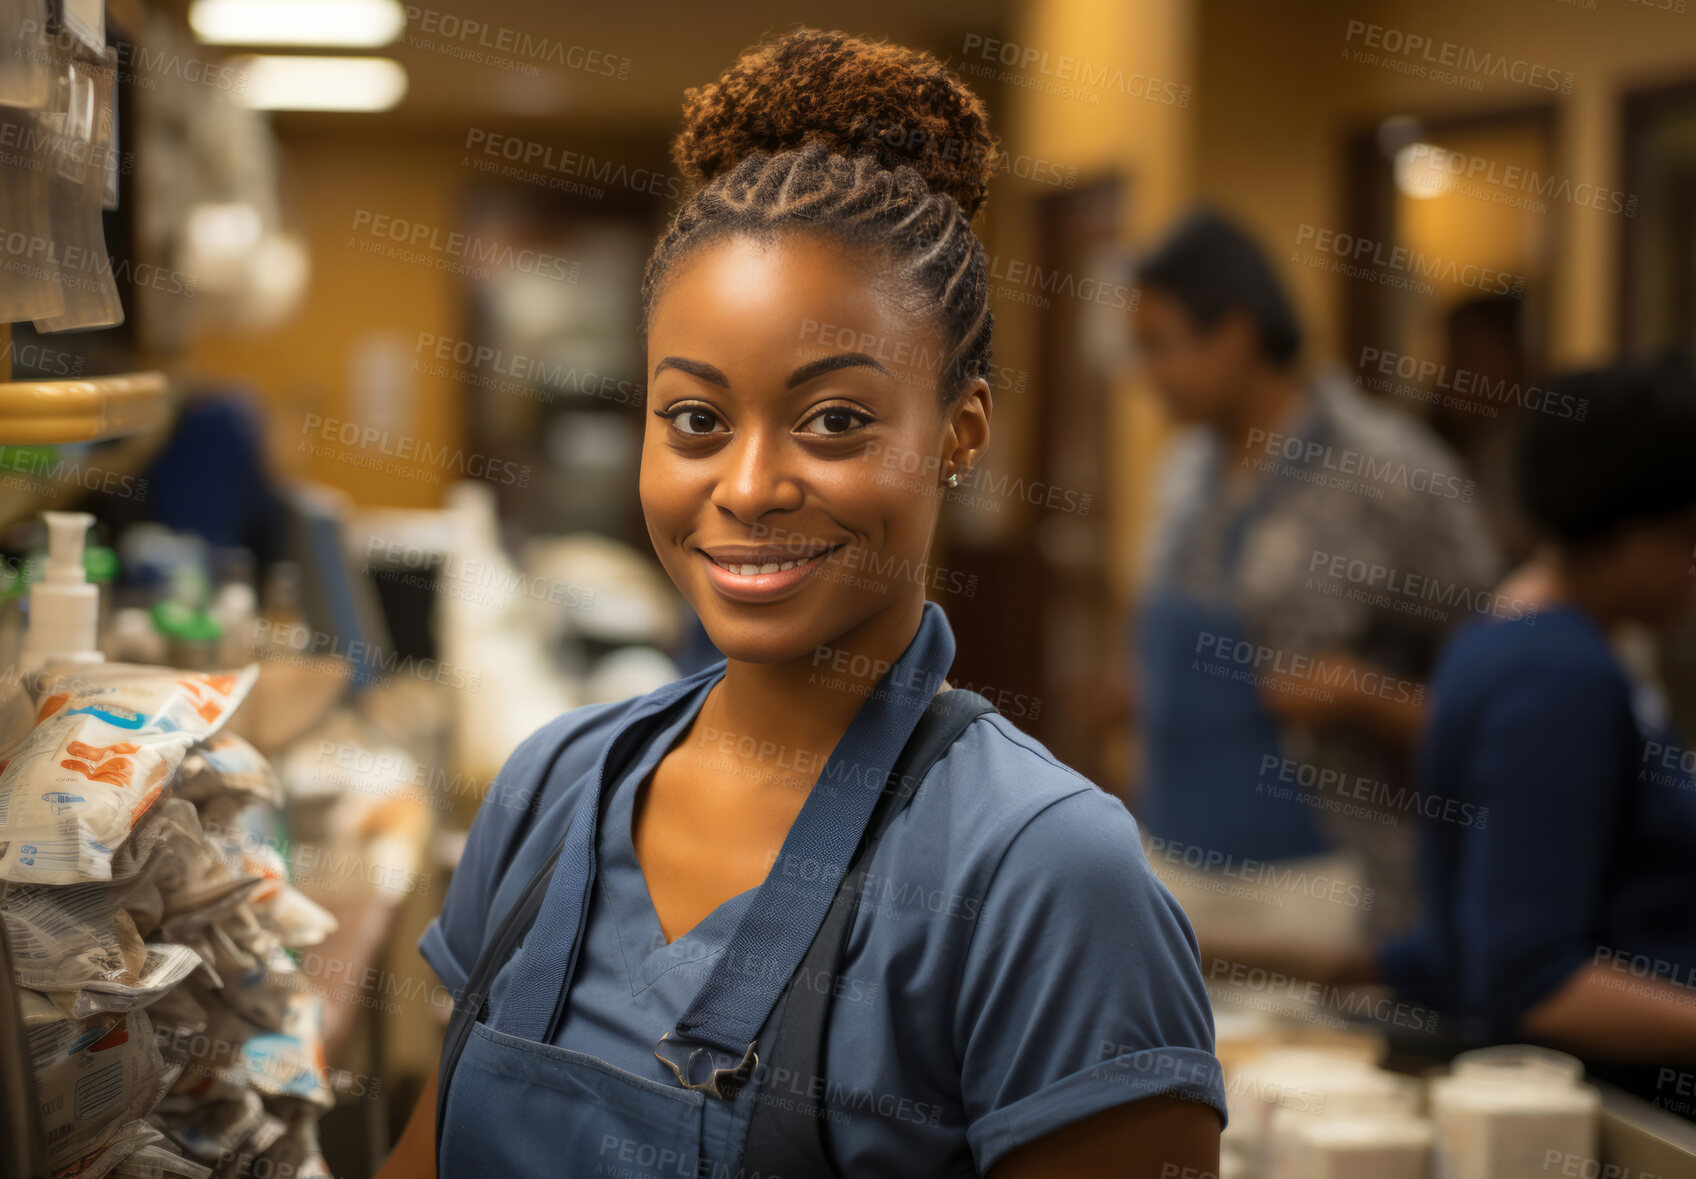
(855, 97)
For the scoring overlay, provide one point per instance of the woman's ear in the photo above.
(967, 434)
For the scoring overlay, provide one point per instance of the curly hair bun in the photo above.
(856, 97)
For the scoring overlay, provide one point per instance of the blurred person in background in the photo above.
(1559, 900)
(1300, 535)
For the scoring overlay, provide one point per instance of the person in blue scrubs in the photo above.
(1019, 995)
(1560, 889)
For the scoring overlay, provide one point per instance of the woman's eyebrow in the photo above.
(826, 364)
(694, 368)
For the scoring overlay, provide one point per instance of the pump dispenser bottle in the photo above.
(64, 608)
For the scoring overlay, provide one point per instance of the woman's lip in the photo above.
(761, 587)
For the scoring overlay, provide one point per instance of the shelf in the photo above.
(44, 413)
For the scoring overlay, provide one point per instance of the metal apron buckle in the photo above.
(723, 1083)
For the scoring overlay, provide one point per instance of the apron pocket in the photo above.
(516, 1107)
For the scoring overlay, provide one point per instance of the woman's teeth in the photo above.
(769, 567)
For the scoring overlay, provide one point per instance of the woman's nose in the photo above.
(756, 478)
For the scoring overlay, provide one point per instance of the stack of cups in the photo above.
(1506, 1112)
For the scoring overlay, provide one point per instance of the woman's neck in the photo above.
(808, 703)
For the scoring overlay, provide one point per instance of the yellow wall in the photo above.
(303, 366)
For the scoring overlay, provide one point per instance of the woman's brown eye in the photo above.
(835, 421)
(695, 421)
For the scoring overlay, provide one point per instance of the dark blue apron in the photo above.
(518, 1105)
(1205, 728)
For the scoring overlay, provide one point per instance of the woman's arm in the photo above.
(414, 1156)
(1155, 1138)
(1606, 1015)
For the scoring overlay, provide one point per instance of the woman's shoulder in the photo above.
(1007, 805)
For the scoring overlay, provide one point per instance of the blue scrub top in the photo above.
(1015, 965)
(1560, 826)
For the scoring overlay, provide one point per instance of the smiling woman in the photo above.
(643, 926)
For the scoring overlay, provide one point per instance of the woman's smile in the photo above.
(760, 574)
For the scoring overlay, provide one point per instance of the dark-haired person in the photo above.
(1018, 996)
(1311, 548)
(1564, 909)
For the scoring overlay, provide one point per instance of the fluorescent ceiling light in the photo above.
(354, 24)
(320, 83)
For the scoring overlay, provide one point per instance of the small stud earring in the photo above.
(954, 480)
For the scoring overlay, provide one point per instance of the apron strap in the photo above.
(788, 1138)
(781, 922)
(472, 1003)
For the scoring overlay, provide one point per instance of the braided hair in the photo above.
(875, 146)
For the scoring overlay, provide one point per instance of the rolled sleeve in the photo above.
(1082, 986)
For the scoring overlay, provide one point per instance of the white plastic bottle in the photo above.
(64, 606)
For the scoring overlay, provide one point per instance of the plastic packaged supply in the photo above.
(158, 1162)
(290, 1062)
(137, 1151)
(296, 1153)
(80, 946)
(74, 791)
(139, 696)
(225, 767)
(107, 739)
(82, 141)
(1506, 1129)
(220, 1131)
(91, 1076)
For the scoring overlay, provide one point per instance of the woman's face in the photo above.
(796, 446)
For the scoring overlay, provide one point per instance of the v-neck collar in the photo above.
(647, 955)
